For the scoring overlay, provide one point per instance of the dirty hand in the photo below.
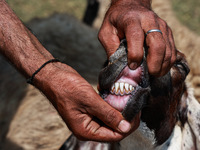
(132, 19)
(72, 96)
(79, 105)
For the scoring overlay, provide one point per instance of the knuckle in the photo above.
(159, 46)
(130, 18)
(135, 31)
(128, 21)
(163, 23)
(82, 129)
(113, 16)
(111, 116)
(151, 15)
(85, 133)
(103, 38)
(168, 58)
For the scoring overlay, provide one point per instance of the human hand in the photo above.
(131, 19)
(79, 105)
(73, 97)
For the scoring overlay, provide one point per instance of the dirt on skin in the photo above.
(27, 119)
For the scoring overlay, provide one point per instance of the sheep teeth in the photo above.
(121, 88)
(126, 88)
(121, 85)
(131, 88)
(116, 87)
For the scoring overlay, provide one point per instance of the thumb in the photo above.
(108, 38)
(110, 116)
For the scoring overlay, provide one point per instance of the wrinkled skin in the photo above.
(131, 19)
(61, 83)
(157, 99)
(73, 97)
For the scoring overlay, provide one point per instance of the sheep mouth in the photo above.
(124, 89)
(129, 92)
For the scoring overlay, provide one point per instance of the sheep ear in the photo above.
(190, 120)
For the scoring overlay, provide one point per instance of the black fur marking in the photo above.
(190, 112)
(136, 103)
(183, 115)
(155, 113)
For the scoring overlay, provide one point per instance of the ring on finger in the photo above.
(153, 30)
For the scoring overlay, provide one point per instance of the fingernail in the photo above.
(133, 66)
(124, 126)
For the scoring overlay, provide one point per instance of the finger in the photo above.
(108, 135)
(89, 129)
(82, 111)
(166, 64)
(96, 132)
(156, 51)
(135, 42)
(173, 47)
(110, 116)
(108, 38)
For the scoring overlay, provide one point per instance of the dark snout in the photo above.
(116, 72)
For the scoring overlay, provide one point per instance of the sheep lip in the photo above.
(119, 100)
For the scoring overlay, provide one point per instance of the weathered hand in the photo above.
(79, 105)
(72, 96)
(131, 19)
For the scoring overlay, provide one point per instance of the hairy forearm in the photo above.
(18, 44)
(145, 3)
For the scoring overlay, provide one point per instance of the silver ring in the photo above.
(153, 30)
